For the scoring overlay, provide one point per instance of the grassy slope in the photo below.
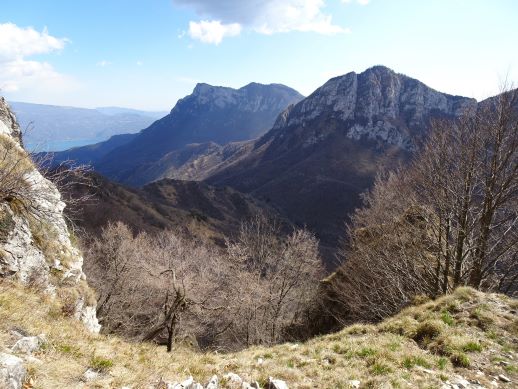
(414, 349)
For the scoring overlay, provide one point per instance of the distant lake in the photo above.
(60, 145)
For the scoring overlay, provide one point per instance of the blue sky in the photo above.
(148, 54)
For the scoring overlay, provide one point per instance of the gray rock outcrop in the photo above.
(378, 104)
(35, 245)
(229, 380)
(12, 372)
(28, 344)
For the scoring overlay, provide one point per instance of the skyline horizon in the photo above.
(503, 81)
(149, 55)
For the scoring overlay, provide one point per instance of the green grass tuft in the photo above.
(472, 347)
(100, 364)
(459, 359)
(447, 318)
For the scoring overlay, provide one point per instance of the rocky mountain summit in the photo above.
(320, 154)
(325, 150)
(377, 104)
(35, 243)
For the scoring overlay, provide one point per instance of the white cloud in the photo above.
(221, 18)
(17, 73)
(213, 31)
(16, 42)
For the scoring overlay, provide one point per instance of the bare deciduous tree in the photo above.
(278, 278)
(447, 220)
(167, 286)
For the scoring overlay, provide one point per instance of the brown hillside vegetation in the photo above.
(195, 208)
(466, 334)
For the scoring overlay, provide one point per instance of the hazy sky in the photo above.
(148, 54)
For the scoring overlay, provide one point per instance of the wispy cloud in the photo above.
(17, 72)
(227, 18)
(103, 63)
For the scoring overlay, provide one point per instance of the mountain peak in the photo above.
(380, 69)
(377, 104)
(211, 113)
(251, 97)
(202, 88)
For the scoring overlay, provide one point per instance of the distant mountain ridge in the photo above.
(210, 114)
(45, 124)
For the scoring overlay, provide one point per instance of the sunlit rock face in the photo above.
(378, 104)
(35, 246)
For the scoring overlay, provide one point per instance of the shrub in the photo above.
(460, 359)
(428, 330)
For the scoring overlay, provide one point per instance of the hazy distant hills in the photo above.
(49, 124)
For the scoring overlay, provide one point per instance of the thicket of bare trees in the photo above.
(277, 280)
(450, 219)
(167, 287)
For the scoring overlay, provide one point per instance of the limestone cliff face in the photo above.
(35, 245)
(378, 104)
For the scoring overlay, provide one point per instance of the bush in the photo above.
(428, 330)
(459, 359)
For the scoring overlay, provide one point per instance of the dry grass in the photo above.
(386, 354)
